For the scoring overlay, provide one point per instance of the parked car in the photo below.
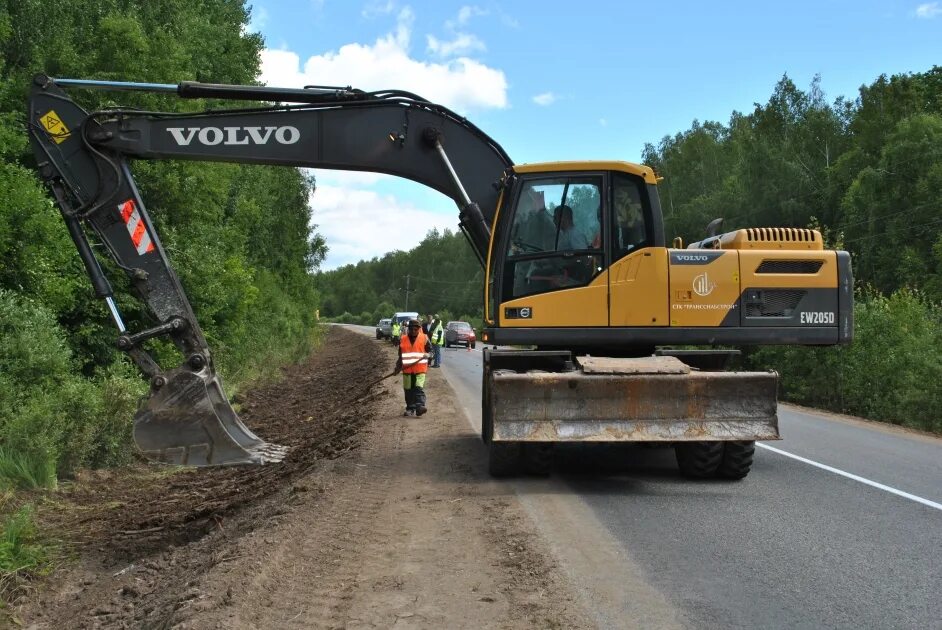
(384, 328)
(403, 317)
(459, 334)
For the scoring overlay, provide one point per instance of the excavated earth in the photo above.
(373, 520)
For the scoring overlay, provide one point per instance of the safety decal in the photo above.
(135, 224)
(54, 125)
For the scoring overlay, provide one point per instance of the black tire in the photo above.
(737, 460)
(698, 460)
(487, 421)
(503, 459)
(379, 335)
(538, 458)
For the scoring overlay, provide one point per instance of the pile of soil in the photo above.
(373, 520)
(113, 518)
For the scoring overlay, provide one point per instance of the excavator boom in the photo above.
(83, 158)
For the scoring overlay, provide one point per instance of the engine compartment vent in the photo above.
(779, 234)
(789, 266)
(776, 238)
(773, 302)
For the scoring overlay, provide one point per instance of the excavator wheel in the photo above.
(737, 460)
(538, 457)
(503, 459)
(699, 460)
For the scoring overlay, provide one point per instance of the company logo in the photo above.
(703, 286)
(211, 136)
(525, 312)
(694, 257)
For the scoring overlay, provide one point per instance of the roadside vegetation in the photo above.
(66, 394)
(867, 172)
(439, 276)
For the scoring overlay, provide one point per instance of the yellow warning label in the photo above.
(54, 125)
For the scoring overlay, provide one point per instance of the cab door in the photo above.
(553, 273)
(638, 274)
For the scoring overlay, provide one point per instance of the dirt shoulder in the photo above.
(373, 520)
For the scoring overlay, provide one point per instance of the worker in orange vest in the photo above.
(414, 350)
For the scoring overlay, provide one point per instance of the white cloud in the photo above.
(259, 18)
(359, 224)
(509, 21)
(459, 84)
(348, 178)
(544, 99)
(462, 44)
(465, 14)
(928, 10)
(377, 8)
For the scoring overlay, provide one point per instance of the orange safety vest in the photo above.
(412, 351)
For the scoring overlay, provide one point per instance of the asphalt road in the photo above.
(848, 536)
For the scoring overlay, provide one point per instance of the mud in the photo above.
(372, 520)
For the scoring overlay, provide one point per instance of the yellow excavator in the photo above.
(584, 298)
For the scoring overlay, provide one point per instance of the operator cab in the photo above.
(559, 230)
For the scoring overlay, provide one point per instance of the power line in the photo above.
(896, 231)
(447, 281)
(892, 214)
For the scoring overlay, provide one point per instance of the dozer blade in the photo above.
(189, 422)
(634, 400)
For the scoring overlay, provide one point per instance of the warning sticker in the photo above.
(135, 224)
(54, 125)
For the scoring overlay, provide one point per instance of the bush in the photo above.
(890, 372)
(50, 415)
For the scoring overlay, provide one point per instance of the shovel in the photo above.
(369, 385)
(424, 357)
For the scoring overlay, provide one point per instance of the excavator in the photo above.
(602, 332)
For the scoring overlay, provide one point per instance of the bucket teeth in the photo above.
(189, 422)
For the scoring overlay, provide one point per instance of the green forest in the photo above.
(67, 395)
(866, 171)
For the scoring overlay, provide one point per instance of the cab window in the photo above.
(555, 236)
(629, 231)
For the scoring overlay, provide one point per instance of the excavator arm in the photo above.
(83, 158)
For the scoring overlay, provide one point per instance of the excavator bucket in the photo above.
(188, 421)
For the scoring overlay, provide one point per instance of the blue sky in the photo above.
(563, 81)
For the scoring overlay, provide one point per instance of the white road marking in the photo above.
(863, 480)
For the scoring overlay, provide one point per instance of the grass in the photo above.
(27, 471)
(22, 556)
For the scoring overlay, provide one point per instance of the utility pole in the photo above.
(407, 291)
